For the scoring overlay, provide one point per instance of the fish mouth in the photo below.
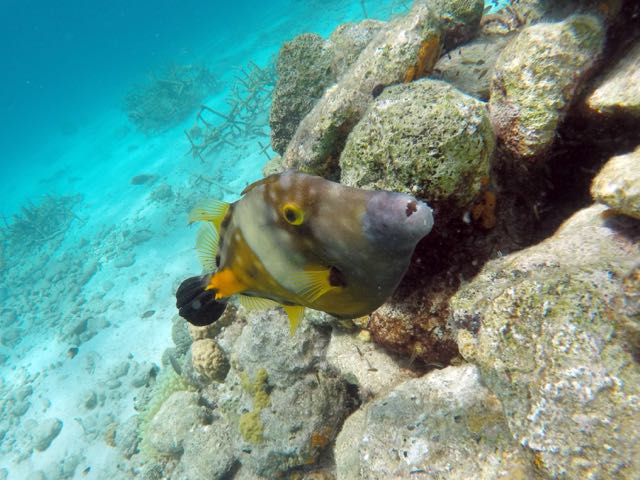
(419, 216)
(397, 220)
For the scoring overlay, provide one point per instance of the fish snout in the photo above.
(398, 218)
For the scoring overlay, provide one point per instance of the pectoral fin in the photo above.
(312, 283)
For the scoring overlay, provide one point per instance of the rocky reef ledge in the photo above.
(512, 347)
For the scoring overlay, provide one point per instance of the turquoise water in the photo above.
(88, 283)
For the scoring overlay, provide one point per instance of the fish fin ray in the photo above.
(295, 314)
(211, 210)
(256, 303)
(207, 246)
(311, 284)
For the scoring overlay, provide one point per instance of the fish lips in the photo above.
(396, 220)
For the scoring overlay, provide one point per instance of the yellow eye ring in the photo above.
(293, 214)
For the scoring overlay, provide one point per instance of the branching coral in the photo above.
(37, 224)
(249, 103)
(168, 98)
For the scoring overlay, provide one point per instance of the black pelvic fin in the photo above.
(197, 305)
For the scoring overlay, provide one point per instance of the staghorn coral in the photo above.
(209, 360)
(249, 102)
(37, 224)
(167, 98)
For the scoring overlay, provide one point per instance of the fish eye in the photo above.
(292, 213)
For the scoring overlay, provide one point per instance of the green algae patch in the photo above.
(250, 423)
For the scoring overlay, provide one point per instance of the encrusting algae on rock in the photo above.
(167, 383)
(536, 77)
(250, 423)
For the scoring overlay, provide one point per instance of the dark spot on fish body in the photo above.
(222, 234)
(252, 271)
(336, 278)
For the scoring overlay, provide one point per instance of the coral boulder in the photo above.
(549, 327)
(425, 137)
(536, 78)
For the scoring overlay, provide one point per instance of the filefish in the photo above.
(296, 240)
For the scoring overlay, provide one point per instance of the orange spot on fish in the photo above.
(226, 283)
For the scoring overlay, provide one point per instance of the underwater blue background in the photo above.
(66, 63)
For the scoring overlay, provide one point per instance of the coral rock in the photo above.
(348, 41)
(408, 327)
(548, 327)
(208, 454)
(180, 335)
(619, 90)
(443, 425)
(405, 49)
(425, 137)
(126, 437)
(470, 67)
(365, 365)
(284, 405)
(536, 78)
(304, 72)
(208, 359)
(617, 185)
(169, 428)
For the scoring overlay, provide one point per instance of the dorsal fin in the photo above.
(295, 314)
(210, 210)
(207, 246)
(262, 181)
(312, 283)
(257, 303)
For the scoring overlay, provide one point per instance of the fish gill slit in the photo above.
(336, 278)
